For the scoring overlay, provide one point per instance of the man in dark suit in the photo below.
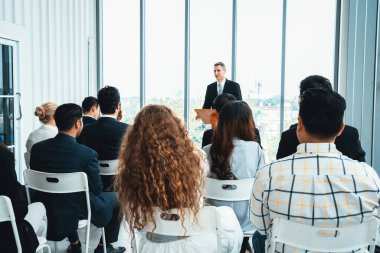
(104, 136)
(62, 154)
(222, 85)
(90, 108)
(348, 142)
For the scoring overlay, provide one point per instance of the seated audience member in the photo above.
(235, 154)
(62, 154)
(47, 130)
(317, 185)
(219, 102)
(30, 220)
(90, 109)
(104, 136)
(160, 166)
(348, 142)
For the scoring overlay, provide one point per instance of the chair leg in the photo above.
(104, 241)
(88, 236)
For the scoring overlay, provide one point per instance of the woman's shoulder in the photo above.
(245, 144)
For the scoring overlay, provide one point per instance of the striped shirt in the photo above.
(316, 186)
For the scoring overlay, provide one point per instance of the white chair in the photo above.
(230, 190)
(7, 214)
(208, 221)
(108, 167)
(318, 239)
(27, 160)
(62, 183)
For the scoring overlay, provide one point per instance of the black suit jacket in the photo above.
(212, 92)
(208, 134)
(62, 154)
(87, 120)
(348, 143)
(10, 187)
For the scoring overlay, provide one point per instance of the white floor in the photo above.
(95, 233)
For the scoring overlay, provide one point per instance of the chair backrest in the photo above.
(108, 167)
(229, 190)
(307, 237)
(7, 214)
(207, 221)
(57, 183)
(27, 159)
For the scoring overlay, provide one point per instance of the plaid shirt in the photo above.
(315, 186)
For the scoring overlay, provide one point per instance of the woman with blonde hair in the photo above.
(47, 130)
(160, 167)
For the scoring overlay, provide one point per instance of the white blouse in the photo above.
(42, 133)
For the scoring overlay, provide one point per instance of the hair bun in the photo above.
(40, 112)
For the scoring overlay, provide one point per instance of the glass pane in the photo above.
(210, 42)
(258, 69)
(165, 54)
(6, 121)
(6, 70)
(121, 57)
(309, 54)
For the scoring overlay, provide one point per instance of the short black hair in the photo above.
(108, 98)
(322, 111)
(315, 81)
(66, 115)
(221, 100)
(88, 103)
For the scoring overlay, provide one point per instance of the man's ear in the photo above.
(341, 129)
(78, 123)
(93, 108)
(300, 123)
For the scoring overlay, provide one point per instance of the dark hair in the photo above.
(235, 121)
(221, 100)
(66, 115)
(219, 63)
(108, 98)
(315, 81)
(322, 111)
(88, 103)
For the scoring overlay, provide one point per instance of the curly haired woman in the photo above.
(160, 167)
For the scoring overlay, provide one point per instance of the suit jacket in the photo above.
(62, 154)
(87, 120)
(212, 92)
(348, 143)
(104, 136)
(208, 134)
(10, 187)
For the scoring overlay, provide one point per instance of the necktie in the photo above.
(219, 89)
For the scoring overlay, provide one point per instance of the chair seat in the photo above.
(249, 233)
(82, 223)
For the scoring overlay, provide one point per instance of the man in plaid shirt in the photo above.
(317, 185)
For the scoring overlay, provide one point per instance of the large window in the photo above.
(310, 38)
(121, 58)
(210, 42)
(309, 49)
(258, 70)
(165, 53)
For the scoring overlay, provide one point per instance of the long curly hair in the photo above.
(158, 166)
(235, 121)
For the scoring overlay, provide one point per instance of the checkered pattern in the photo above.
(316, 186)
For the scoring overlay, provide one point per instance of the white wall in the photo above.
(57, 59)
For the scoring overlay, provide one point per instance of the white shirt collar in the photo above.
(222, 82)
(108, 116)
(88, 116)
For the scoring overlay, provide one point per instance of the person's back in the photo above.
(235, 154)
(317, 185)
(160, 167)
(62, 154)
(348, 142)
(46, 131)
